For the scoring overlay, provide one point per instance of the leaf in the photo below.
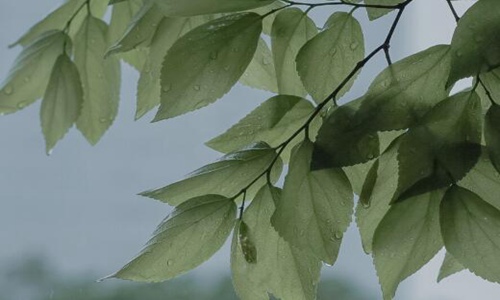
(328, 58)
(100, 80)
(398, 97)
(406, 239)
(192, 233)
(375, 199)
(246, 243)
(441, 150)
(29, 76)
(316, 208)
(375, 13)
(470, 231)
(261, 72)
(280, 269)
(491, 81)
(492, 134)
(204, 64)
(56, 20)
(476, 43)
(169, 30)
(188, 8)
(62, 102)
(292, 28)
(227, 176)
(449, 267)
(272, 122)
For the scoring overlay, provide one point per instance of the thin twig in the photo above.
(453, 11)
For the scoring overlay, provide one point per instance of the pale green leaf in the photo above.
(227, 176)
(326, 60)
(476, 43)
(192, 233)
(169, 30)
(261, 72)
(100, 80)
(272, 122)
(375, 13)
(406, 239)
(280, 269)
(469, 227)
(292, 28)
(205, 63)
(30, 73)
(316, 207)
(268, 21)
(188, 8)
(62, 101)
(449, 267)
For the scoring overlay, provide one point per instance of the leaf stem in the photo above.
(343, 2)
(453, 10)
(68, 24)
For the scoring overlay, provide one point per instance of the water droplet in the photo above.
(226, 68)
(354, 45)
(196, 88)
(21, 105)
(338, 235)
(170, 262)
(8, 90)
(26, 79)
(459, 53)
(333, 51)
(366, 205)
(166, 88)
(235, 49)
(265, 61)
(343, 203)
(103, 120)
(370, 156)
(214, 55)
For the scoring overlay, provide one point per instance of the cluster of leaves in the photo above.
(424, 162)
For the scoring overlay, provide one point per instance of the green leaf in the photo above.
(292, 28)
(227, 176)
(192, 233)
(491, 81)
(261, 72)
(56, 20)
(246, 243)
(470, 231)
(169, 30)
(484, 180)
(280, 269)
(62, 102)
(449, 267)
(188, 8)
(376, 196)
(326, 60)
(29, 76)
(406, 239)
(443, 148)
(316, 208)
(204, 64)
(272, 122)
(476, 43)
(100, 80)
(492, 134)
(375, 13)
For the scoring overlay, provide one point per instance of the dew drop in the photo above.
(166, 88)
(333, 51)
(370, 156)
(366, 205)
(214, 55)
(170, 262)
(8, 90)
(21, 105)
(354, 45)
(196, 87)
(103, 120)
(226, 68)
(26, 79)
(338, 235)
(265, 61)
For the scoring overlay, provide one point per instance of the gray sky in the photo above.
(79, 206)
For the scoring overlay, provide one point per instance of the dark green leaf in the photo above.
(316, 207)
(326, 60)
(492, 134)
(281, 270)
(491, 81)
(227, 176)
(204, 64)
(193, 232)
(246, 243)
(406, 239)
(449, 267)
(470, 231)
(188, 8)
(62, 101)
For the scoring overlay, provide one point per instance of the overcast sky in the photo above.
(79, 207)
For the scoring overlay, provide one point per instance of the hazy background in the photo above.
(78, 208)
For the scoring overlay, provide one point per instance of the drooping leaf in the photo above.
(261, 72)
(188, 8)
(292, 28)
(272, 122)
(375, 13)
(227, 176)
(449, 267)
(443, 148)
(56, 20)
(469, 227)
(204, 64)
(476, 43)
(492, 134)
(406, 239)
(280, 269)
(168, 31)
(30, 73)
(62, 101)
(398, 97)
(316, 206)
(491, 81)
(375, 199)
(326, 60)
(100, 80)
(193, 232)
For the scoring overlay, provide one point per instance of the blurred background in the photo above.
(73, 217)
